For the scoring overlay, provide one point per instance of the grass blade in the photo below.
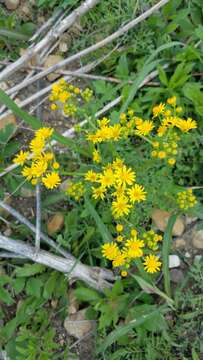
(152, 289)
(162, 48)
(106, 235)
(165, 253)
(124, 329)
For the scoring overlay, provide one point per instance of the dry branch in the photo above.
(92, 48)
(73, 268)
(52, 35)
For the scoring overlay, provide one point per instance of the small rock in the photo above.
(8, 119)
(12, 4)
(174, 261)
(54, 303)
(187, 255)
(55, 223)
(8, 232)
(197, 239)
(63, 47)
(179, 243)
(160, 218)
(189, 220)
(76, 325)
(3, 86)
(176, 275)
(50, 61)
(26, 192)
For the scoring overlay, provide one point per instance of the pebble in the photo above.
(50, 61)
(76, 325)
(12, 4)
(160, 218)
(176, 275)
(55, 223)
(174, 261)
(179, 243)
(197, 239)
(8, 119)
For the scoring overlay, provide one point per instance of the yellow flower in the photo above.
(138, 121)
(134, 248)
(161, 154)
(133, 233)
(51, 180)
(110, 250)
(119, 238)
(161, 130)
(64, 96)
(120, 207)
(154, 153)
(107, 179)
(98, 193)
(155, 144)
(37, 145)
(158, 109)
(125, 176)
(144, 128)
(48, 156)
(34, 181)
(186, 199)
(115, 132)
(103, 122)
(172, 101)
(123, 118)
(179, 109)
(27, 172)
(171, 161)
(119, 227)
(39, 168)
(186, 125)
(124, 273)
(76, 90)
(21, 157)
(137, 193)
(56, 165)
(91, 176)
(117, 163)
(96, 156)
(119, 260)
(152, 263)
(53, 107)
(44, 133)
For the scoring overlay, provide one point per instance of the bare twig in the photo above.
(73, 268)
(47, 24)
(52, 36)
(92, 48)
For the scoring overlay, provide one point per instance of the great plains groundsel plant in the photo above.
(115, 179)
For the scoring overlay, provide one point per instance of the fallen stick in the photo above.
(92, 48)
(52, 35)
(73, 268)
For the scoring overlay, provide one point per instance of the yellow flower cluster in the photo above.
(75, 190)
(123, 251)
(119, 181)
(166, 148)
(152, 239)
(67, 97)
(41, 164)
(186, 199)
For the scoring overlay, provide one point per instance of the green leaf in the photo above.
(106, 235)
(166, 246)
(180, 76)
(122, 70)
(162, 76)
(50, 285)
(162, 48)
(29, 270)
(199, 32)
(33, 287)
(5, 296)
(85, 294)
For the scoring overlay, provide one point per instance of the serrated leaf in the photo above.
(29, 270)
(85, 294)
